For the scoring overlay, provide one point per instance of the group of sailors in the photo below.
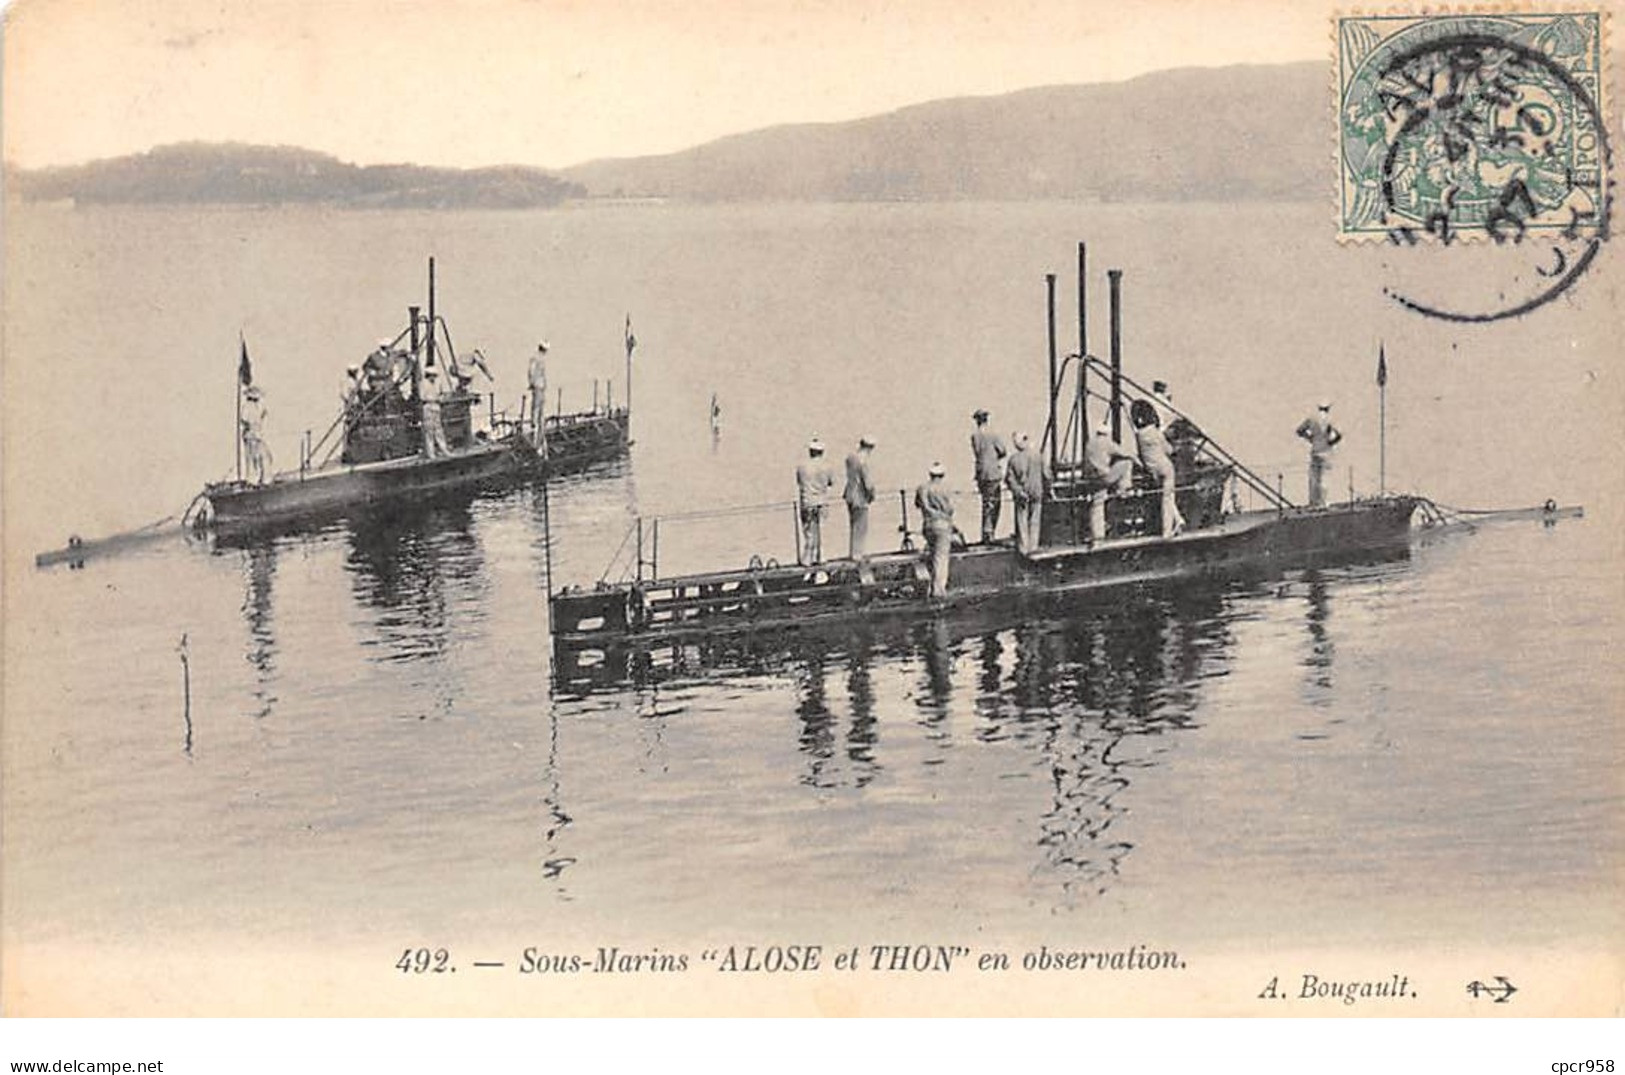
(1019, 468)
(380, 384)
(1109, 466)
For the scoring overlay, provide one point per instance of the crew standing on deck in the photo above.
(937, 520)
(813, 483)
(1322, 436)
(989, 451)
(378, 379)
(1157, 458)
(1028, 476)
(355, 386)
(1162, 398)
(255, 452)
(434, 433)
(859, 494)
(538, 397)
(1109, 466)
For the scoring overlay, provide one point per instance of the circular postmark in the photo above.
(1471, 131)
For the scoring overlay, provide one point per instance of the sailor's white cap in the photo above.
(1104, 425)
(384, 342)
(542, 346)
(866, 441)
(937, 470)
(1020, 440)
(430, 372)
(815, 445)
(1325, 404)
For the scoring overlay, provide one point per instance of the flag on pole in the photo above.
(245, 371)
(631, 340)
(1382, 367)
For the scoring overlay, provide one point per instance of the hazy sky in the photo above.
(556, 82)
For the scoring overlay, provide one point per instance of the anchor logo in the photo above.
(1502, 992)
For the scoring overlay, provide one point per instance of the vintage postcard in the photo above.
(538, 508)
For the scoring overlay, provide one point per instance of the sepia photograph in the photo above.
(783, 508)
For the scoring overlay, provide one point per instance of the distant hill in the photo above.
(1201, 134)
(199, 172)
(1220, 134)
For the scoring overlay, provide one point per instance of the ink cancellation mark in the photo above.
(1475, 127)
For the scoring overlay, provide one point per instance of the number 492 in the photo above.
(424, 961)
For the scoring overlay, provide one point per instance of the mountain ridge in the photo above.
(236, 173)
(1167, 135)
(1248, 132)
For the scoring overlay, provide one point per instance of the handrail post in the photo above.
(1054, 387)
(1083, 350)
(795, 513)
(1114, 278)
(547, 545)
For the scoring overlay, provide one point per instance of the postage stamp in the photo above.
(1484, 125)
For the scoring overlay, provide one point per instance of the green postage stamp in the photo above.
(1488, 126)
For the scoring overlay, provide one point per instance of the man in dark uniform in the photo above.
(1028, 477)
(859, 494)
(989, 450)
(937, 520)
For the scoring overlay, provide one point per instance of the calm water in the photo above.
(1425, 750)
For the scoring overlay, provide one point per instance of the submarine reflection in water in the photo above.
(1094, 688)
(582, 670)
(417, 571)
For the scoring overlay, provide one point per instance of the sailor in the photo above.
(937, 520)
(354, 387)
(378, 367)
(434, 433)
(1322, 436)
(859, 494)
(1156, 457)
(538, 397)
(989, 451)
(1109, 466)
(1028, 476)
(1163, 400)
(813, 483)
(255, 452)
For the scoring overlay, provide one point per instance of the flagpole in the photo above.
(1382, 421)
(237, 382)
(1382, 440)
(629, 345)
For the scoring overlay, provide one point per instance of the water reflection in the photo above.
(817, 722)
(1317, 660)
(864, 733)
(1088, 692)
(259, 563)
(822, 740)
(422, 573)
(937, 687)
(1091, 691)
(554, 860)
